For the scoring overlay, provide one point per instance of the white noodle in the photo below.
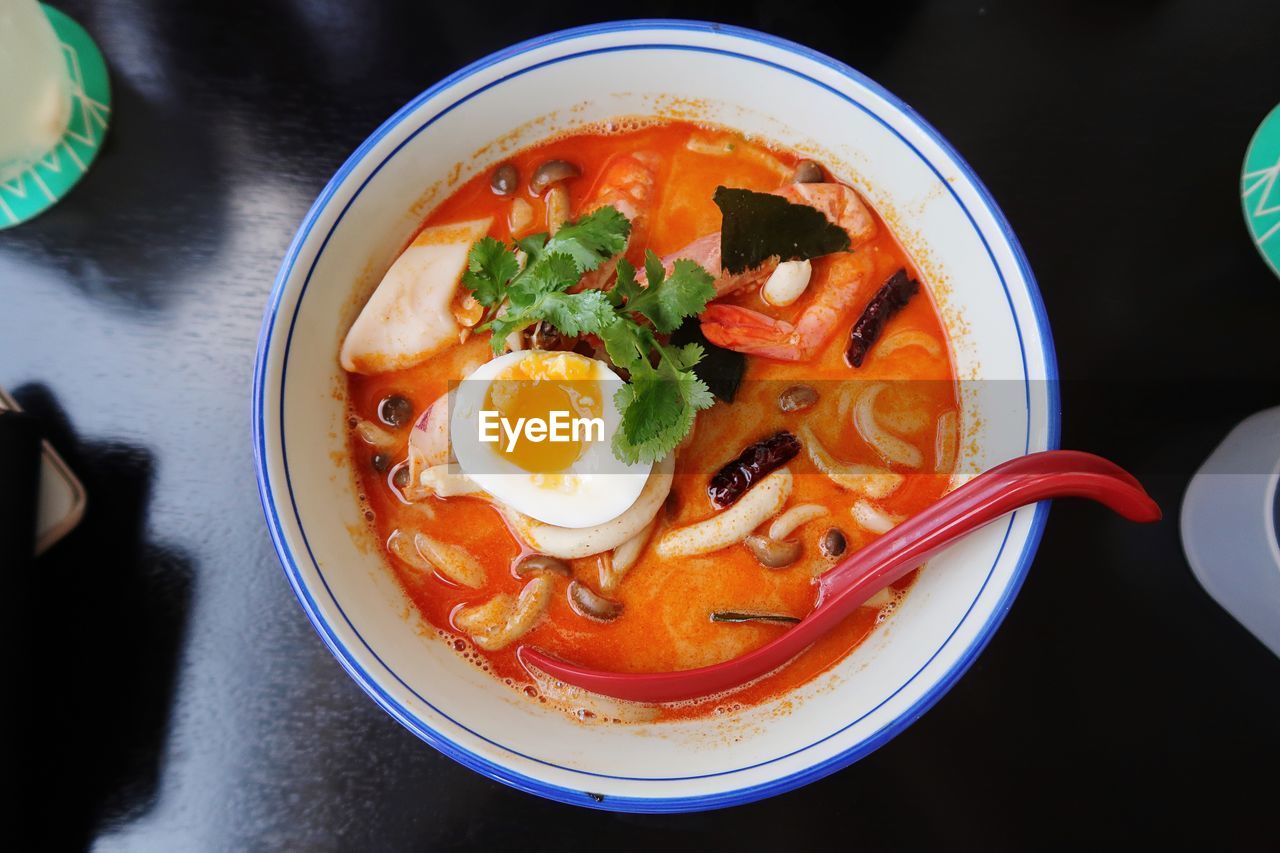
(615, 567)
(873, 518)
(888, 445)
(734, 524)
(569, 543)
(907, 338)
(784, 524)
(862, 479)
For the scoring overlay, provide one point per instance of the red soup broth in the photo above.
(665, 624)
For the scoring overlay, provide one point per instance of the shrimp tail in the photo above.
(743, 330)
(737, 328)
(626, 184)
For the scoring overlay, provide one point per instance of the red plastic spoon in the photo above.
(842, 589)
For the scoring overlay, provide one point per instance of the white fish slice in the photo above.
(408, 318)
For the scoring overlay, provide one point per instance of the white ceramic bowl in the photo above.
(758, 84)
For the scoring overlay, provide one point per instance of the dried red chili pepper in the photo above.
(888, 300)
(753, 464)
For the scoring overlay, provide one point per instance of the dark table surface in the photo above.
(180, 698)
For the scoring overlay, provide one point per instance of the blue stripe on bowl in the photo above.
(407, 717)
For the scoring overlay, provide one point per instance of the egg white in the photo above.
(596, 488)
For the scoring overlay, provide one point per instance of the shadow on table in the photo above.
(103, 622)
(158, 174)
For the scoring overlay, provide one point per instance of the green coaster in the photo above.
(54, 174)
(1260, 189)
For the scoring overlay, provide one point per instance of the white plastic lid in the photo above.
(1230, 517)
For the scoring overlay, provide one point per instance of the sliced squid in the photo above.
(785, 524)
(452, 561)
(615, 567)
(401, 545)
(907, 338)
(734, 524)
(372, 434)
(430, 435)
(410, 317)
(944, 443)
(448, 481)
(503, 619)
(570, 543)
(865, 480)
(889, 446)
(873, 518)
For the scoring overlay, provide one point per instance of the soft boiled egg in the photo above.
(534, 430)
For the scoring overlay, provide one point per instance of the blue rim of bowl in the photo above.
(583, 797)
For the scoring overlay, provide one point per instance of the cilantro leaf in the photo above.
(685, 357)
(489, 268)
(627, 343)
(658, 409)
(654, 271)
(518, 296)
(533, 247)
(593, 239)
(553, 271)
(573, 314)
(668, 300)
(576, 314)
(625, 287)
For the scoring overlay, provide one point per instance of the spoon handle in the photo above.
(1000, 490)
(1014, 484)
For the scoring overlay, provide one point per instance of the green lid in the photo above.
(53, 175)
(1260, 189)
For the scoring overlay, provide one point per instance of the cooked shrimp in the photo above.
(627, 184)
(705, 251)
(840, 204)
(745, 330)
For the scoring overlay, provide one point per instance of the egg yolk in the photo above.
(532, 389)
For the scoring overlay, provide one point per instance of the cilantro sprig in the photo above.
(518, 295)
(659, 403)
